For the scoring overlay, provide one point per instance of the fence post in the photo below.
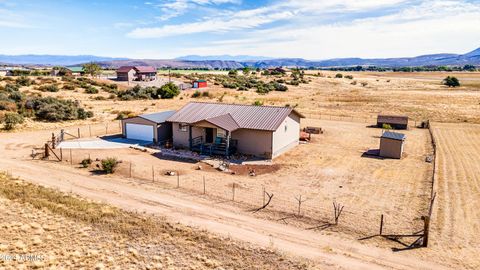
(47, 153)
(53, 140)
(61, 154)
(153, 174)
(233, 192)
(78, 130)
(426, 229)
(381, 224)
(178, 179)
(204, 190)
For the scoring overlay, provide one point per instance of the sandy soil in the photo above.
(325, 249)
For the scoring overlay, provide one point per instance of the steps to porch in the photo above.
(218, 147)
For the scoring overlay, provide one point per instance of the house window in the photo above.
(182, 127)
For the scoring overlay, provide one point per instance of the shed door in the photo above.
(139, 132)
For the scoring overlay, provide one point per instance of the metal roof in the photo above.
(75, 69)
(124, 68)
(393, 119)
(159, 117)
(246, 116)
(145, 69)
(225, 121)
(394, 136)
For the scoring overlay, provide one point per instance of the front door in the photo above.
(209, 135)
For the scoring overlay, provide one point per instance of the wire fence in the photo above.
(355, 119)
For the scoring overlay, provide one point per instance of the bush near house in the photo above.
(109, 165)
(339, 75)
(167, 91)
(53, 109)
(91, 90)
(10, 120)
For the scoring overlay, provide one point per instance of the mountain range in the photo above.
(240, 61)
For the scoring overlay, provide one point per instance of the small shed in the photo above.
(199, 84)
(148, 127)
(76, 71)
(391, 144)
(395, 121)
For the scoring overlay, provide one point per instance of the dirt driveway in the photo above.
(329, 251)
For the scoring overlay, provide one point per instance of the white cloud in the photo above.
(174, 8)
(12, 20)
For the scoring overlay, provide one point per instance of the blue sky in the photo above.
(312, 29)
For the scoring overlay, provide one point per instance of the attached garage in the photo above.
(139, 132)
(148, 127)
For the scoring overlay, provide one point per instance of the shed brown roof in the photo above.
(245, 116)
(393, 119)
(145, 69)
(124, 68)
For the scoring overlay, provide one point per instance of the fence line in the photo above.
(367, 120)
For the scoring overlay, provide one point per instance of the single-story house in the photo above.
(148, 127)
(76, 71)
(217, 128)
(391, 144)
(199, 84)
(395, 121)
(136, 73)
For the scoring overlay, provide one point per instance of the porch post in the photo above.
(190, 136)
(228, 144)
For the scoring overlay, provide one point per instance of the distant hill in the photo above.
(52, 60)
(225, 57)
(227, 61)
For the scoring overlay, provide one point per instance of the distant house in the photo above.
(199, 84)
(76, 71)
(148, 127)
(136, 73)
(395, 121)
(223, 129)
(391, 144)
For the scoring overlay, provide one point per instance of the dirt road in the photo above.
(329, 251)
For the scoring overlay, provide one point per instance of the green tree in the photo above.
(246, 71)
(233, 73)
(92, 69)
(109, 165)
(169, 90)
(11, 120)
(451, 81)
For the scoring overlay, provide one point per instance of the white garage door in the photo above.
(139, 132)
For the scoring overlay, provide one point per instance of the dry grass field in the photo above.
(456, 221)
(62, 231)
(419, 95)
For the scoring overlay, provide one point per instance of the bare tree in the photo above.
(337, 208)
(270, 196)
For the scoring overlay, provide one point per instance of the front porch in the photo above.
(214, 141)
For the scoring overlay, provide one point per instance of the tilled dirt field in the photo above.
(456, 219)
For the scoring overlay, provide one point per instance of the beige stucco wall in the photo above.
(287, 135)
(254, 142)
(181, 138)
(391, 148)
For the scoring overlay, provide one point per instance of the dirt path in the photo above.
(329, 251)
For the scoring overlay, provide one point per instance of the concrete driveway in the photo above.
(101, 143)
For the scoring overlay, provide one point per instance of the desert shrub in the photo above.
(100, 98)
(109, 165)
(196, 94)
(16, 96)
(49, 88)
(364, 84)
(233, 73)
(280, 87)
(451, 81)
(86, 162)
(339, 75)
(386, 126)
(350, 77)
(53, 109)
(354, 83)
(23, 81)
(257, 103)
(91, 90)
(169, 90)
(294, 82)
(11, 88)
(68, 87)
(124, 114)
(10, 120)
